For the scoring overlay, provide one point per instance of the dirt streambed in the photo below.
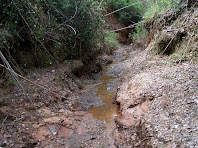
(99, 100)
(76, 119)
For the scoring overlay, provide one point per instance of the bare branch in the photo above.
(121, 9)
(131, 26)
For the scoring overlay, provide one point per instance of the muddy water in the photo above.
(106, 110)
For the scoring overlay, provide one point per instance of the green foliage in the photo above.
(11, 81)
(111, 38)
(132, 13)
(140, 31)
(66, 29)
(155, 6)
(151, 13)
(177, 55)
(178, 58)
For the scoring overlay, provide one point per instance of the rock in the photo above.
(67, 122)
(35, 96)
(64, 94)
(77, 66)
(130, 117)
(53, 130)
(65, 112)
(80, 113)
(53, 120)
(41, 133)
(61, 111)
(45, 111)
(36, 126)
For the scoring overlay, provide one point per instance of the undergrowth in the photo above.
(111, 39)
(152, 9)
(36, 33)
(155, 6)
(132, 13)
(140, 31)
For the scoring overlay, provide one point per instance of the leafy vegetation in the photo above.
(36, 33)
(155, 6)
(132, 13)
(140, 31)
(110, 38)
(152, 8)
(41, 31)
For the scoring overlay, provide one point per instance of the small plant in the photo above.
(10, 82)
(177, 58)
(140, 31)
(177, 55)
(110, 38)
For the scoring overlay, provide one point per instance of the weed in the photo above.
(140, 31)
(177, 55)
(110, 38)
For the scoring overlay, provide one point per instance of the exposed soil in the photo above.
(140, 100)
(158, 96)
(69, 119)
(114, 24)
(155, 103)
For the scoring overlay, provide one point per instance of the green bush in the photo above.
(151, 13)
(140, 31)
(67, 29)
(110, 38)
(132, 13)
(154, 6)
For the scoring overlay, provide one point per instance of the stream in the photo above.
(100, 100)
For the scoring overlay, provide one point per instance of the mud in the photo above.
(100, 99)
(156, 94)
(79, 117)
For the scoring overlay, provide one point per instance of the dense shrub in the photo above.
(36, 32)
(154, 6)
(130, 14)
(152, 9)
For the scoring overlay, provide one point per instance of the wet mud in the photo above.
(100, 99)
